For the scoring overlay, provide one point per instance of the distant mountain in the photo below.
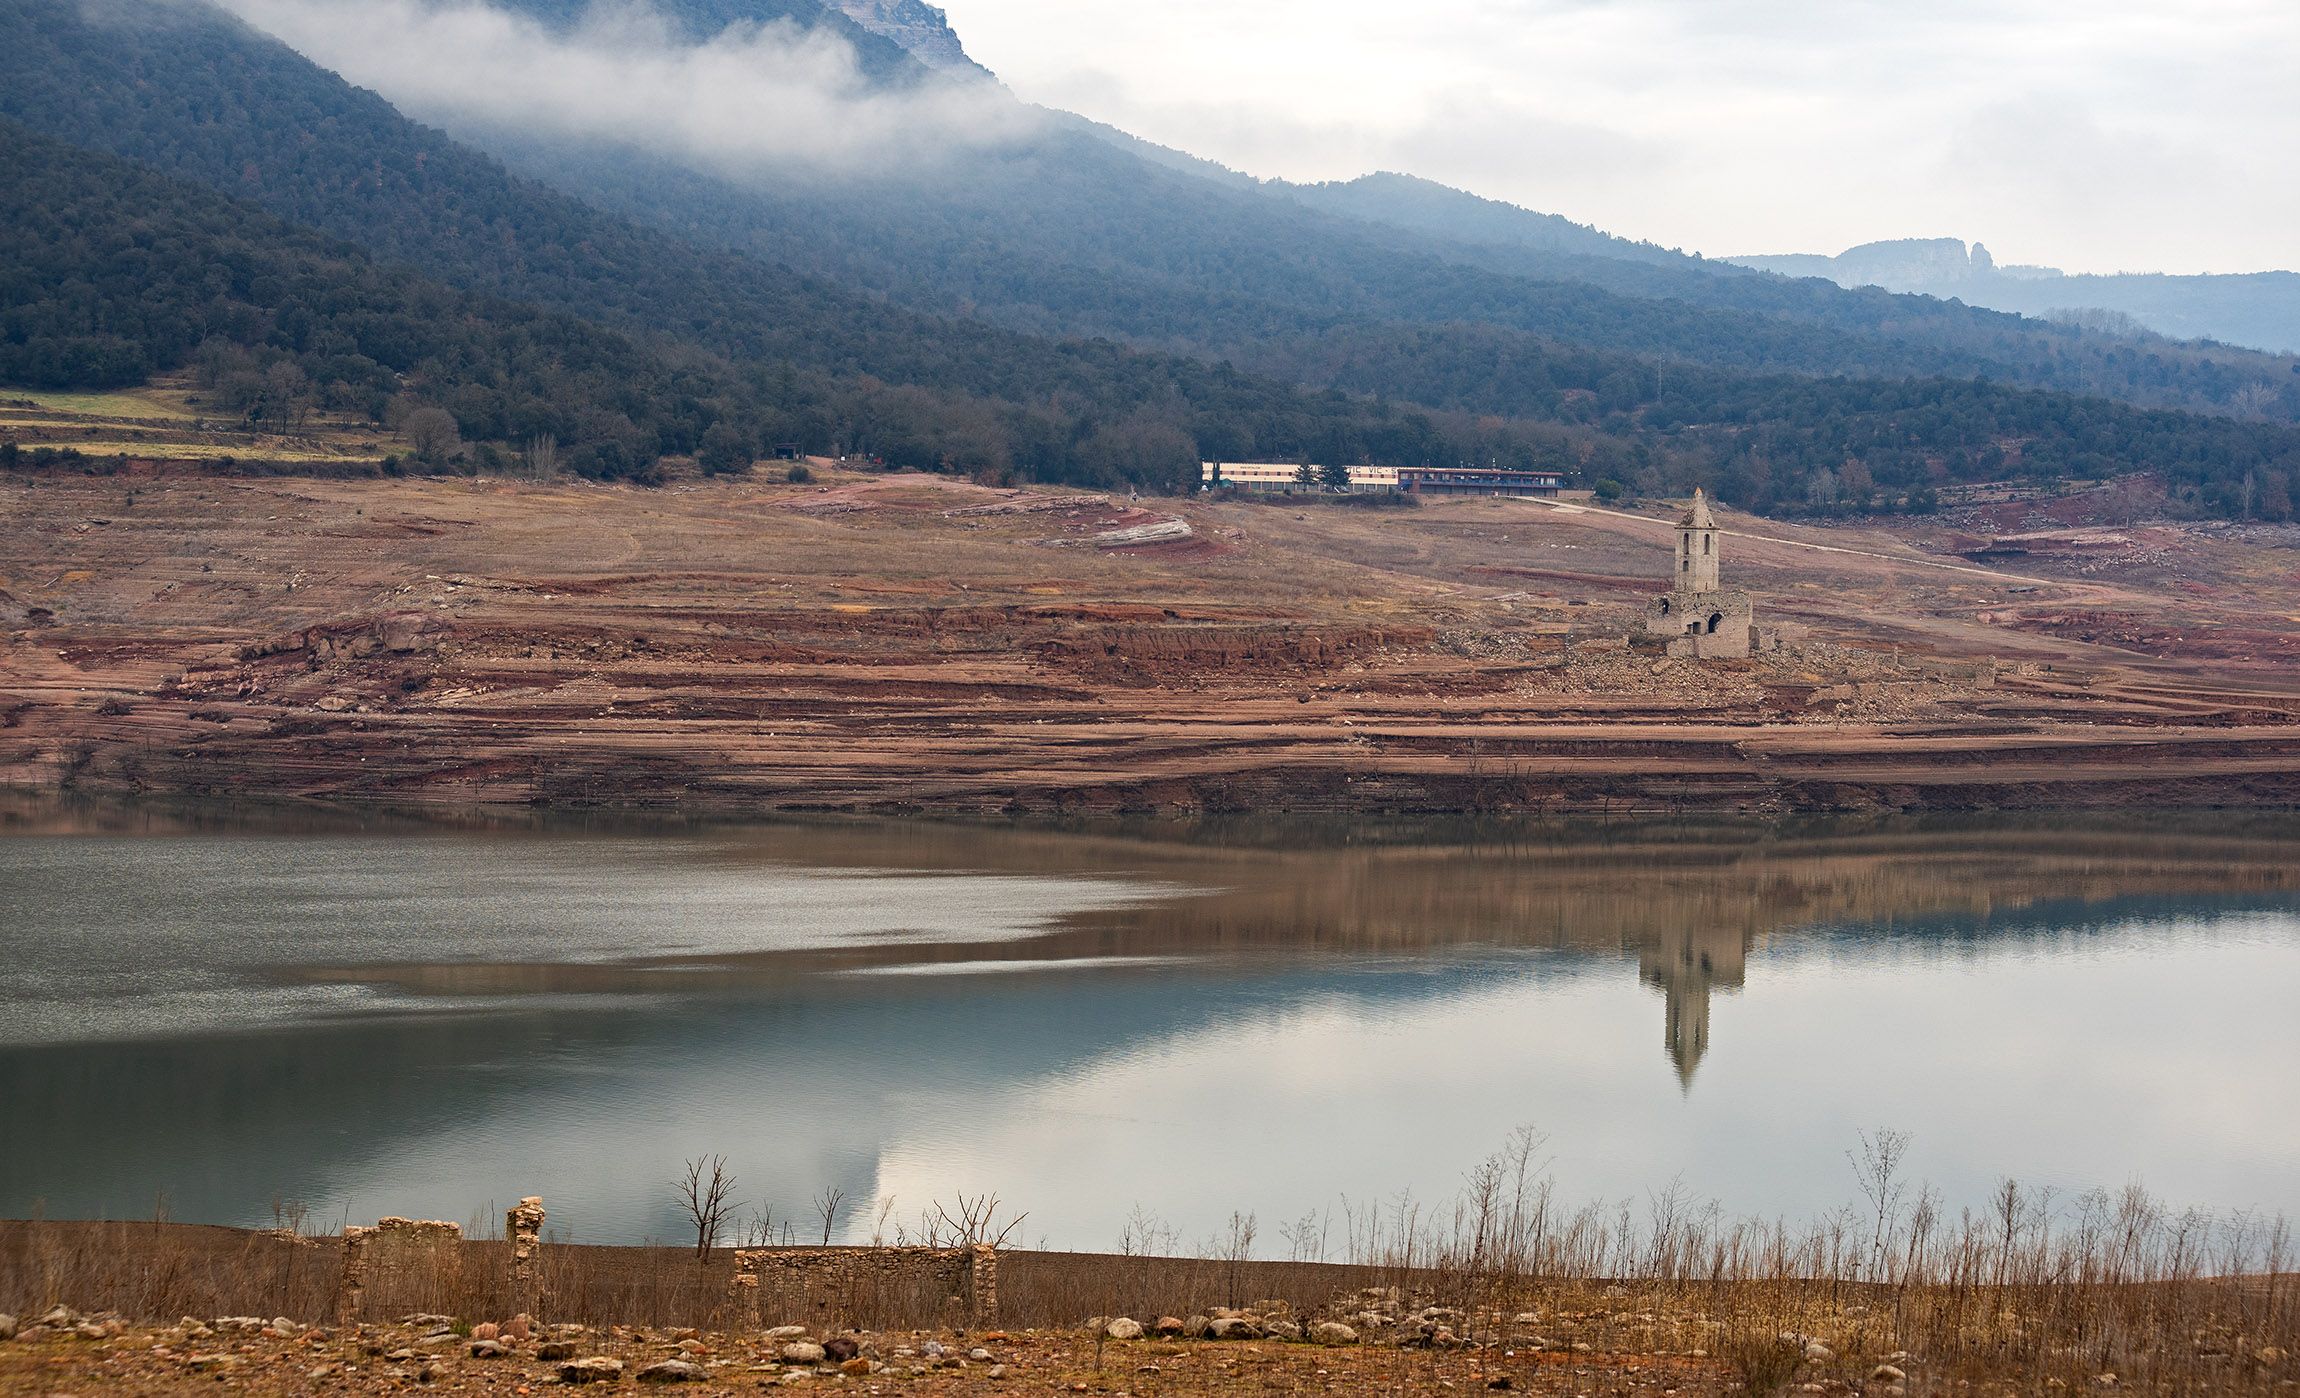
(1067, 308)
(923, 31)
(879, 54)
(2256, 309)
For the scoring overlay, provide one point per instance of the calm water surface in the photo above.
(384, 1019)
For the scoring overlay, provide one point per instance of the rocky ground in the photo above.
(913, 643)
(1261, 1349)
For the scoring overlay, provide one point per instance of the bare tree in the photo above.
(827, 1208)
(1878, 1169)
(976, 1221)
(433, 433)
(542, 456)
(707, 1197)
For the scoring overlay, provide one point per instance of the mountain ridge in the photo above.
(2259, 310)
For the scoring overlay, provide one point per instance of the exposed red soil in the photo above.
(921, 643)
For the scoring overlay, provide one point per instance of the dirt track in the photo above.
(923, 644)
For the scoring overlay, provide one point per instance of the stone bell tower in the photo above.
(1698, 617)
(1697, 547)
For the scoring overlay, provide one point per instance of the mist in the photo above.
(756, 98)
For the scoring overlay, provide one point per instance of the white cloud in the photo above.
(756, 95)
(2098, 136)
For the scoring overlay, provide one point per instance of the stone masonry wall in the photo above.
(398, 1266)
(829, 1285)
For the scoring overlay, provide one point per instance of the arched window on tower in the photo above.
(1707, 541)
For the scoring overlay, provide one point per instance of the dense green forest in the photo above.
(525, 312)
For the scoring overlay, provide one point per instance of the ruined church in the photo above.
(1701, 620)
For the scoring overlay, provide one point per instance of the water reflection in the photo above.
(389, 1020)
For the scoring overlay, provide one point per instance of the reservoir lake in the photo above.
(235, 1017)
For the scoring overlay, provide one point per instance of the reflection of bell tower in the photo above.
(1686, 966)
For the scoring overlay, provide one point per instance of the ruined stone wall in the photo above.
(399, 1266)
(819, 1286)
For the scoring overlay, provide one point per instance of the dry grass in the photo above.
(2032, 1293)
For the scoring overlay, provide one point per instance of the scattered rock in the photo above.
(1333, 1332)
(998, 1371)
(60, 1318)
(1279, 1329)
(787, 1332)
(802, 1352)
(486, 1330)
(1818, 1353)
(1168, 1327)
(979, 1355)
(1123, 1328)
(489, 1349)
(596, 1369)
(671, 1371)
(519, 1327)
(1886, 1373)
(211, 1363)
(1232, 1327)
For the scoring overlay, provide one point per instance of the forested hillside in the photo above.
(765, 354)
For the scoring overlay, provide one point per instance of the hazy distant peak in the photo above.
(2260, 309)
(921, 28)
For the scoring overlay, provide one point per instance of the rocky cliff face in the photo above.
(919, 27)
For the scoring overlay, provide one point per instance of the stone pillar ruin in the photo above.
(982, 1283)
(523, 1229)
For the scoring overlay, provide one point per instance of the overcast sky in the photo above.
(2094, 135)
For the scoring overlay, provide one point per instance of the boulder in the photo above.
(1278, 1328)
(1123, 1328)
(803, 1352)
(1333, 1332)
(1232, 1327)
(1168, 1327)
(783, 1333)
(596, 1369)
(1886, 1373)
(489, 1349)
(486, 1330)
(671, 1371)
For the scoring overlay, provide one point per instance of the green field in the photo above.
(123, 403)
